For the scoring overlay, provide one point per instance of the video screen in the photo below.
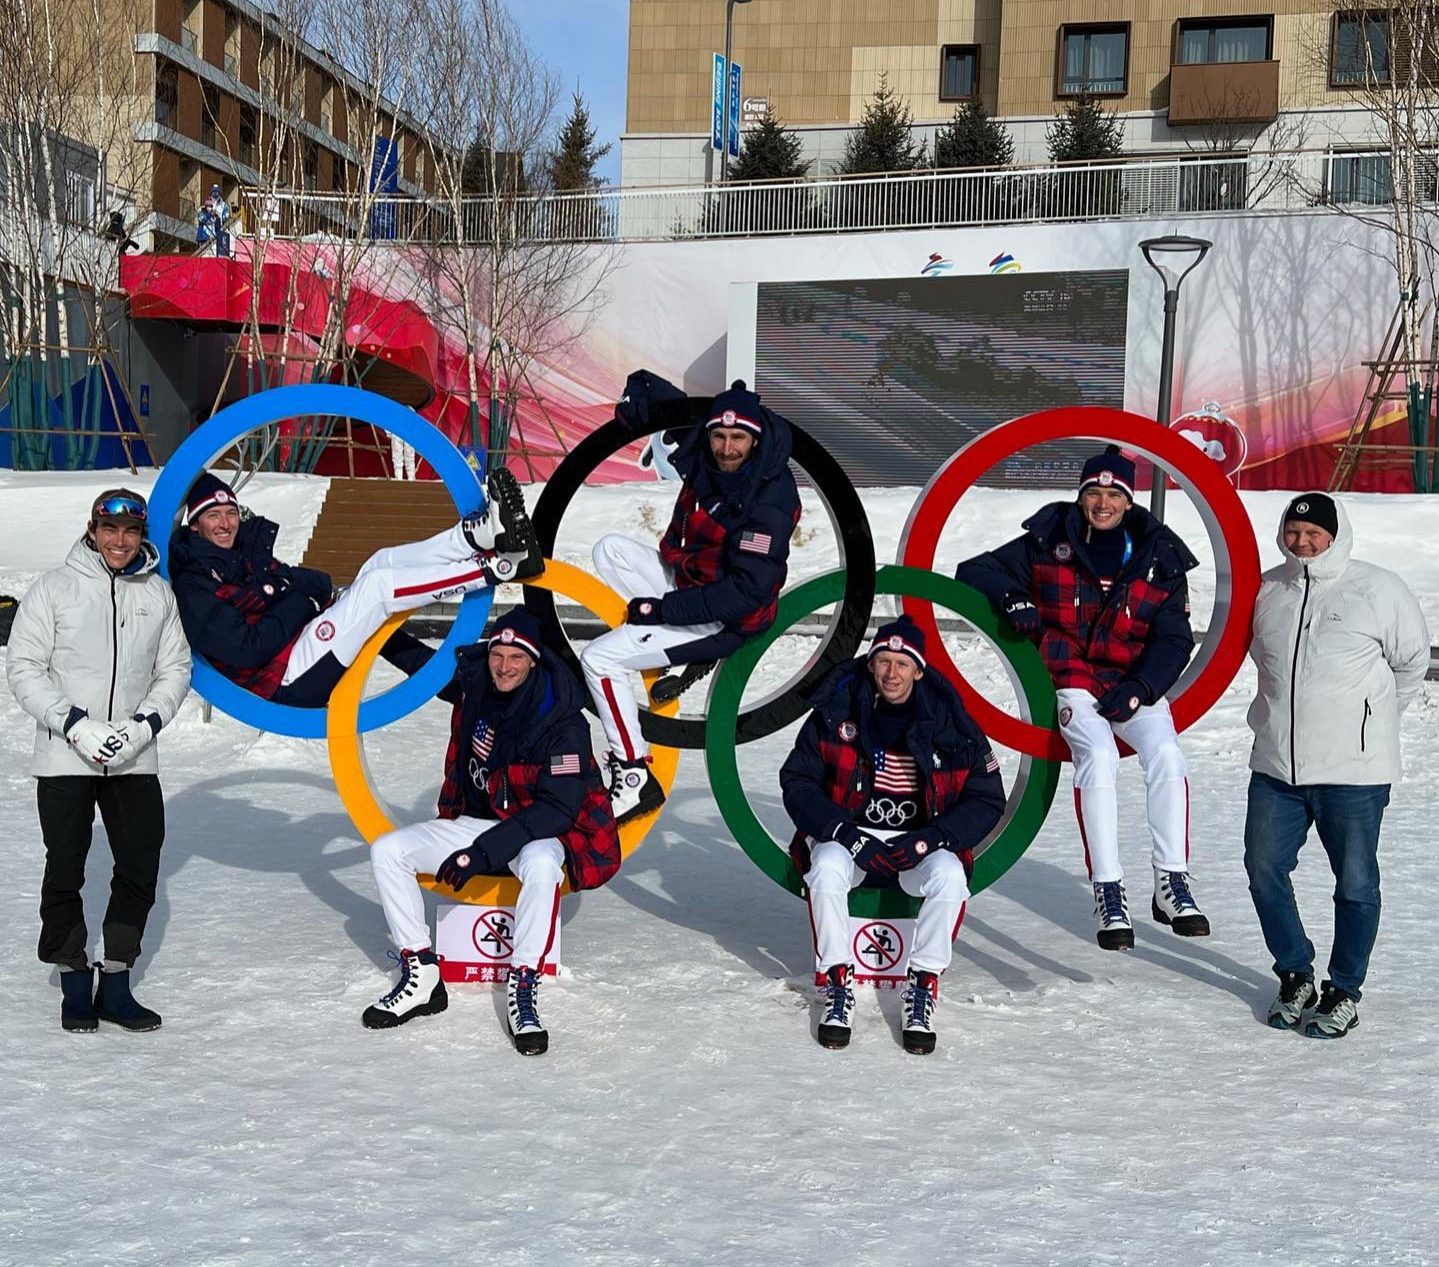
(893, 375)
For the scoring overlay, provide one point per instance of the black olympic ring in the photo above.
(846, 512)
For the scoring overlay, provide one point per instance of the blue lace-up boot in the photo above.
(1174, 904)
(418, 992)
(526, 1028)
(1113, 930)
(838, 996)
(920, 995)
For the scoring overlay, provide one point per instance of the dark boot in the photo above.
(115, 1003)
(77, 1009)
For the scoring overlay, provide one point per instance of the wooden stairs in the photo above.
(361, 516)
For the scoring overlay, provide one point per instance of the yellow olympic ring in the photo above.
(347, 750)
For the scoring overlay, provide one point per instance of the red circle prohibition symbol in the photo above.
(1236, 556)
(867, 944)
(494, 931)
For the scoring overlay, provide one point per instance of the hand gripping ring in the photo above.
(1029, 799)
(846, 513)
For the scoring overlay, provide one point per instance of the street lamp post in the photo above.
(1165, 256)
(728, 46)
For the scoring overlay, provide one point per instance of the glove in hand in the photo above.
(98, 742)
(1022, 614)
(1121, 701)
(463, 865)
(870, 853)
(645, 611)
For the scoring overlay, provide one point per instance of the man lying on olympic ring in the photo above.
(890, 783)
(275, 629)
(522, 794)
(713, 583)
(1100, 585)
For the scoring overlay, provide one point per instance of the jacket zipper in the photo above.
(1293, 683)
(114, 654)
(1365, 723)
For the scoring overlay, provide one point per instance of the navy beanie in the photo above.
(902, 636)
(1110, 469)
(517, 628)
(205, 492)
(1314, 508)
(738, 407)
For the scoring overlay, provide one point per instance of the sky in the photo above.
(586, 44)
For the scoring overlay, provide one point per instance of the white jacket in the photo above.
(113, 645)
(1341, 647)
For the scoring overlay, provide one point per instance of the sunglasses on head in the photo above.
(121, 505)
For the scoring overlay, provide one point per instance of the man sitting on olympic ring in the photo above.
(712, 585)
(273, 628)
(1100, 585)
(522, 794)
(890, 783)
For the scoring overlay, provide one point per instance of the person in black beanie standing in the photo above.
(1100, 585)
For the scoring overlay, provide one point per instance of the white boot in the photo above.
(1174, 904)
(1113, 931)
(634, 790)
(419, 992)
(522, 1001)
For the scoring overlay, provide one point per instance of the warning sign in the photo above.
(494, 934)
(475, 943)
(879, 950)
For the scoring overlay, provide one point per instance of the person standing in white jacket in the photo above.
(1342, 648)
(98, 657)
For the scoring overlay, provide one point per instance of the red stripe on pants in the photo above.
(448, 582)
(550, 940)
(1084, 840)
(609, 689)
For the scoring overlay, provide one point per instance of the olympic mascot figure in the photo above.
(274, 629)
(1100, 585)
(891, 783)
(522, 795)
(712, 584)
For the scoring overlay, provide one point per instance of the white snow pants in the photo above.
(398, 856)
(633, 570)
(1150, 732)
(939, 880)
(399, 578)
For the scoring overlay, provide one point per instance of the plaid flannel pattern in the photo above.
(693, 545)
(250, 601)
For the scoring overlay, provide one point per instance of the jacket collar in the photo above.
(85, 558)
(1323, 567)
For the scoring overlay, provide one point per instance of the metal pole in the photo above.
(724, 127)
(1166, 391)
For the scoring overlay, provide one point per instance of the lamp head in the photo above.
(1174, 257)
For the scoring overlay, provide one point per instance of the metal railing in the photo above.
(1137, 189)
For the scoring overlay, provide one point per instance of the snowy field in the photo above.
(1083, 1107)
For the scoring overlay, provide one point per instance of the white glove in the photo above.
(137, 735)
(98, 742)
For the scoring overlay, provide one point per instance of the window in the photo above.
(1207, 41)
(248, 127)
(1360, 50)
(209, 115)
(1367, 178)
(167, 93)
(312, 165)
(958, 72)
(327, 107)
(190, 27)
(1094, 60)
(232, 45)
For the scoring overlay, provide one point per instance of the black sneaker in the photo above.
(673, 685)
(1335, 1016)
(918, 1001)
(838, 994)
(1296, 996)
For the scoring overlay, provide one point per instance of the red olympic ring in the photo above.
(1236, 556)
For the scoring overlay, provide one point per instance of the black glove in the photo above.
(870, 853)
(1121, 701)
(461, 866)
(907, 850)
(645, 611)
(1022, 614)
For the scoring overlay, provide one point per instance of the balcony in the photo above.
(1223, 92)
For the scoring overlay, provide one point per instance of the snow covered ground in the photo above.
(1083, 1107)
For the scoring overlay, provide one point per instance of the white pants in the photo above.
(398, 856)
(399, 578)
(403, 457)
(1150, 732)
(939, 881)
(633, 570)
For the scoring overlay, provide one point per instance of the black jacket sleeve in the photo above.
(750, 579)
(558, 797)
(1169, 645)
(996, 573)
(801, 781)
(220, 632)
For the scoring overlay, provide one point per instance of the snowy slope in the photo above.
(1082, 1107)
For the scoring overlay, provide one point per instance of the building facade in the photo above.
(1183, 75)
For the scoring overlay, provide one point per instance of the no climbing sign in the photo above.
(880, 951)
(474, 943)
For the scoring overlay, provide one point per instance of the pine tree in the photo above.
(973, 139)
(884, 141)
(1084, 130)
(770, 151)
(570, 166)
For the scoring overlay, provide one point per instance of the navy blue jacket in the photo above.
(1092, 640)
(828, 776)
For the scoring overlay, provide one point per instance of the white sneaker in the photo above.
(1174, 905)
(419, 992)
(1296, 996)
(522, 993)
(1113, 931)
(1335, 1016)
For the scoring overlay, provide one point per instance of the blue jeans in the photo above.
(1347, 817)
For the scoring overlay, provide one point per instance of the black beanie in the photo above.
(738, 407)
(1110, 469)
(1317, 509)
(205, 492)
(902, 636)
(517, 628)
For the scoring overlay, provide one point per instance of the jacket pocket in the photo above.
(1364, 725)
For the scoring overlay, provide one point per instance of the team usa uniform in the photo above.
(712, 584)
(279, 631)
(889, 792)
(1108, 604)
(522, 795)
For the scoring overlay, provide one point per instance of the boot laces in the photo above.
(524, 986)
(408, 981)
(918, 1004)
(1178, 882)
(841, 999)
(1110, 899)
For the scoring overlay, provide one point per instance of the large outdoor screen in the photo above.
(895, 374)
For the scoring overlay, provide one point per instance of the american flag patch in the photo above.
(895, 772)
(569, 763)
(991, 762)
(482, 742)
(755, 542)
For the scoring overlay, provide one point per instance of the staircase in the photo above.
(361, 516)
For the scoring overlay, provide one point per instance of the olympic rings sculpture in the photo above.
(372, 818)
(234, 421)
(1029, 799)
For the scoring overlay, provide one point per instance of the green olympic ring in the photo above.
(1029, 798)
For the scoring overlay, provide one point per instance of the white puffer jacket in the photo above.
(112, 645)
(1341, 648)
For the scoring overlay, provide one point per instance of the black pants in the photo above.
(313, 688)
(133, 811)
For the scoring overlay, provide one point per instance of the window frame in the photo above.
(1225, 21)
(1342, 85)
(1091, 28)
(944, 51)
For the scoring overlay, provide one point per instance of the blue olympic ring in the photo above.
(266, 407)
